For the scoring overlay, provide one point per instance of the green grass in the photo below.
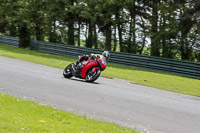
(158, 80)
(22, 116)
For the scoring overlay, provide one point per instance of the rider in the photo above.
(105, 56)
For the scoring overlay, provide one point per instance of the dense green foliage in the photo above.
(167, 28)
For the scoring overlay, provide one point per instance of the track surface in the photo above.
(110, 100)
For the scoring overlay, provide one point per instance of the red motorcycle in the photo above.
(89, 70)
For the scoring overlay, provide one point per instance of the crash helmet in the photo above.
(106, 55)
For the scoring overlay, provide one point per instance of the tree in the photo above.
(24, 35)
(155, 47)
(170, 27)
(188, 19)
(37, 17)
(70, 22)
(105, 21)
(3, 21)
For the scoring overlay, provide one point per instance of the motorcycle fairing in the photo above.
(86, 65)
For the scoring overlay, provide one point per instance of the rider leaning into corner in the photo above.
(105, 56)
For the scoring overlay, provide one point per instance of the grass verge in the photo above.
(147, 78)
(21, 116)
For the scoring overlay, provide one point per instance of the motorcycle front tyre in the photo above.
(90, 78)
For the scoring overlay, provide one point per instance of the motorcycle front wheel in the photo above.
(67, 71)
(92, 76)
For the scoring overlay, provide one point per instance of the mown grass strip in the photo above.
(22, 116)
(138, 76)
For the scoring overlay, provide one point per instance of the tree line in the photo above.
(165, 28)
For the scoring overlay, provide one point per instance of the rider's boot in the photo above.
(76, 63)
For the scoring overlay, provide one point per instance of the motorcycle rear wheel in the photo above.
(92, 76)
(67, 71)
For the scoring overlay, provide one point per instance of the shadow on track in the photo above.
(81, 80)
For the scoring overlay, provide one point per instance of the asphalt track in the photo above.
(142, 108)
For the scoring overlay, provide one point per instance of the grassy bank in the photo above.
(152, 79)
(21, 116)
